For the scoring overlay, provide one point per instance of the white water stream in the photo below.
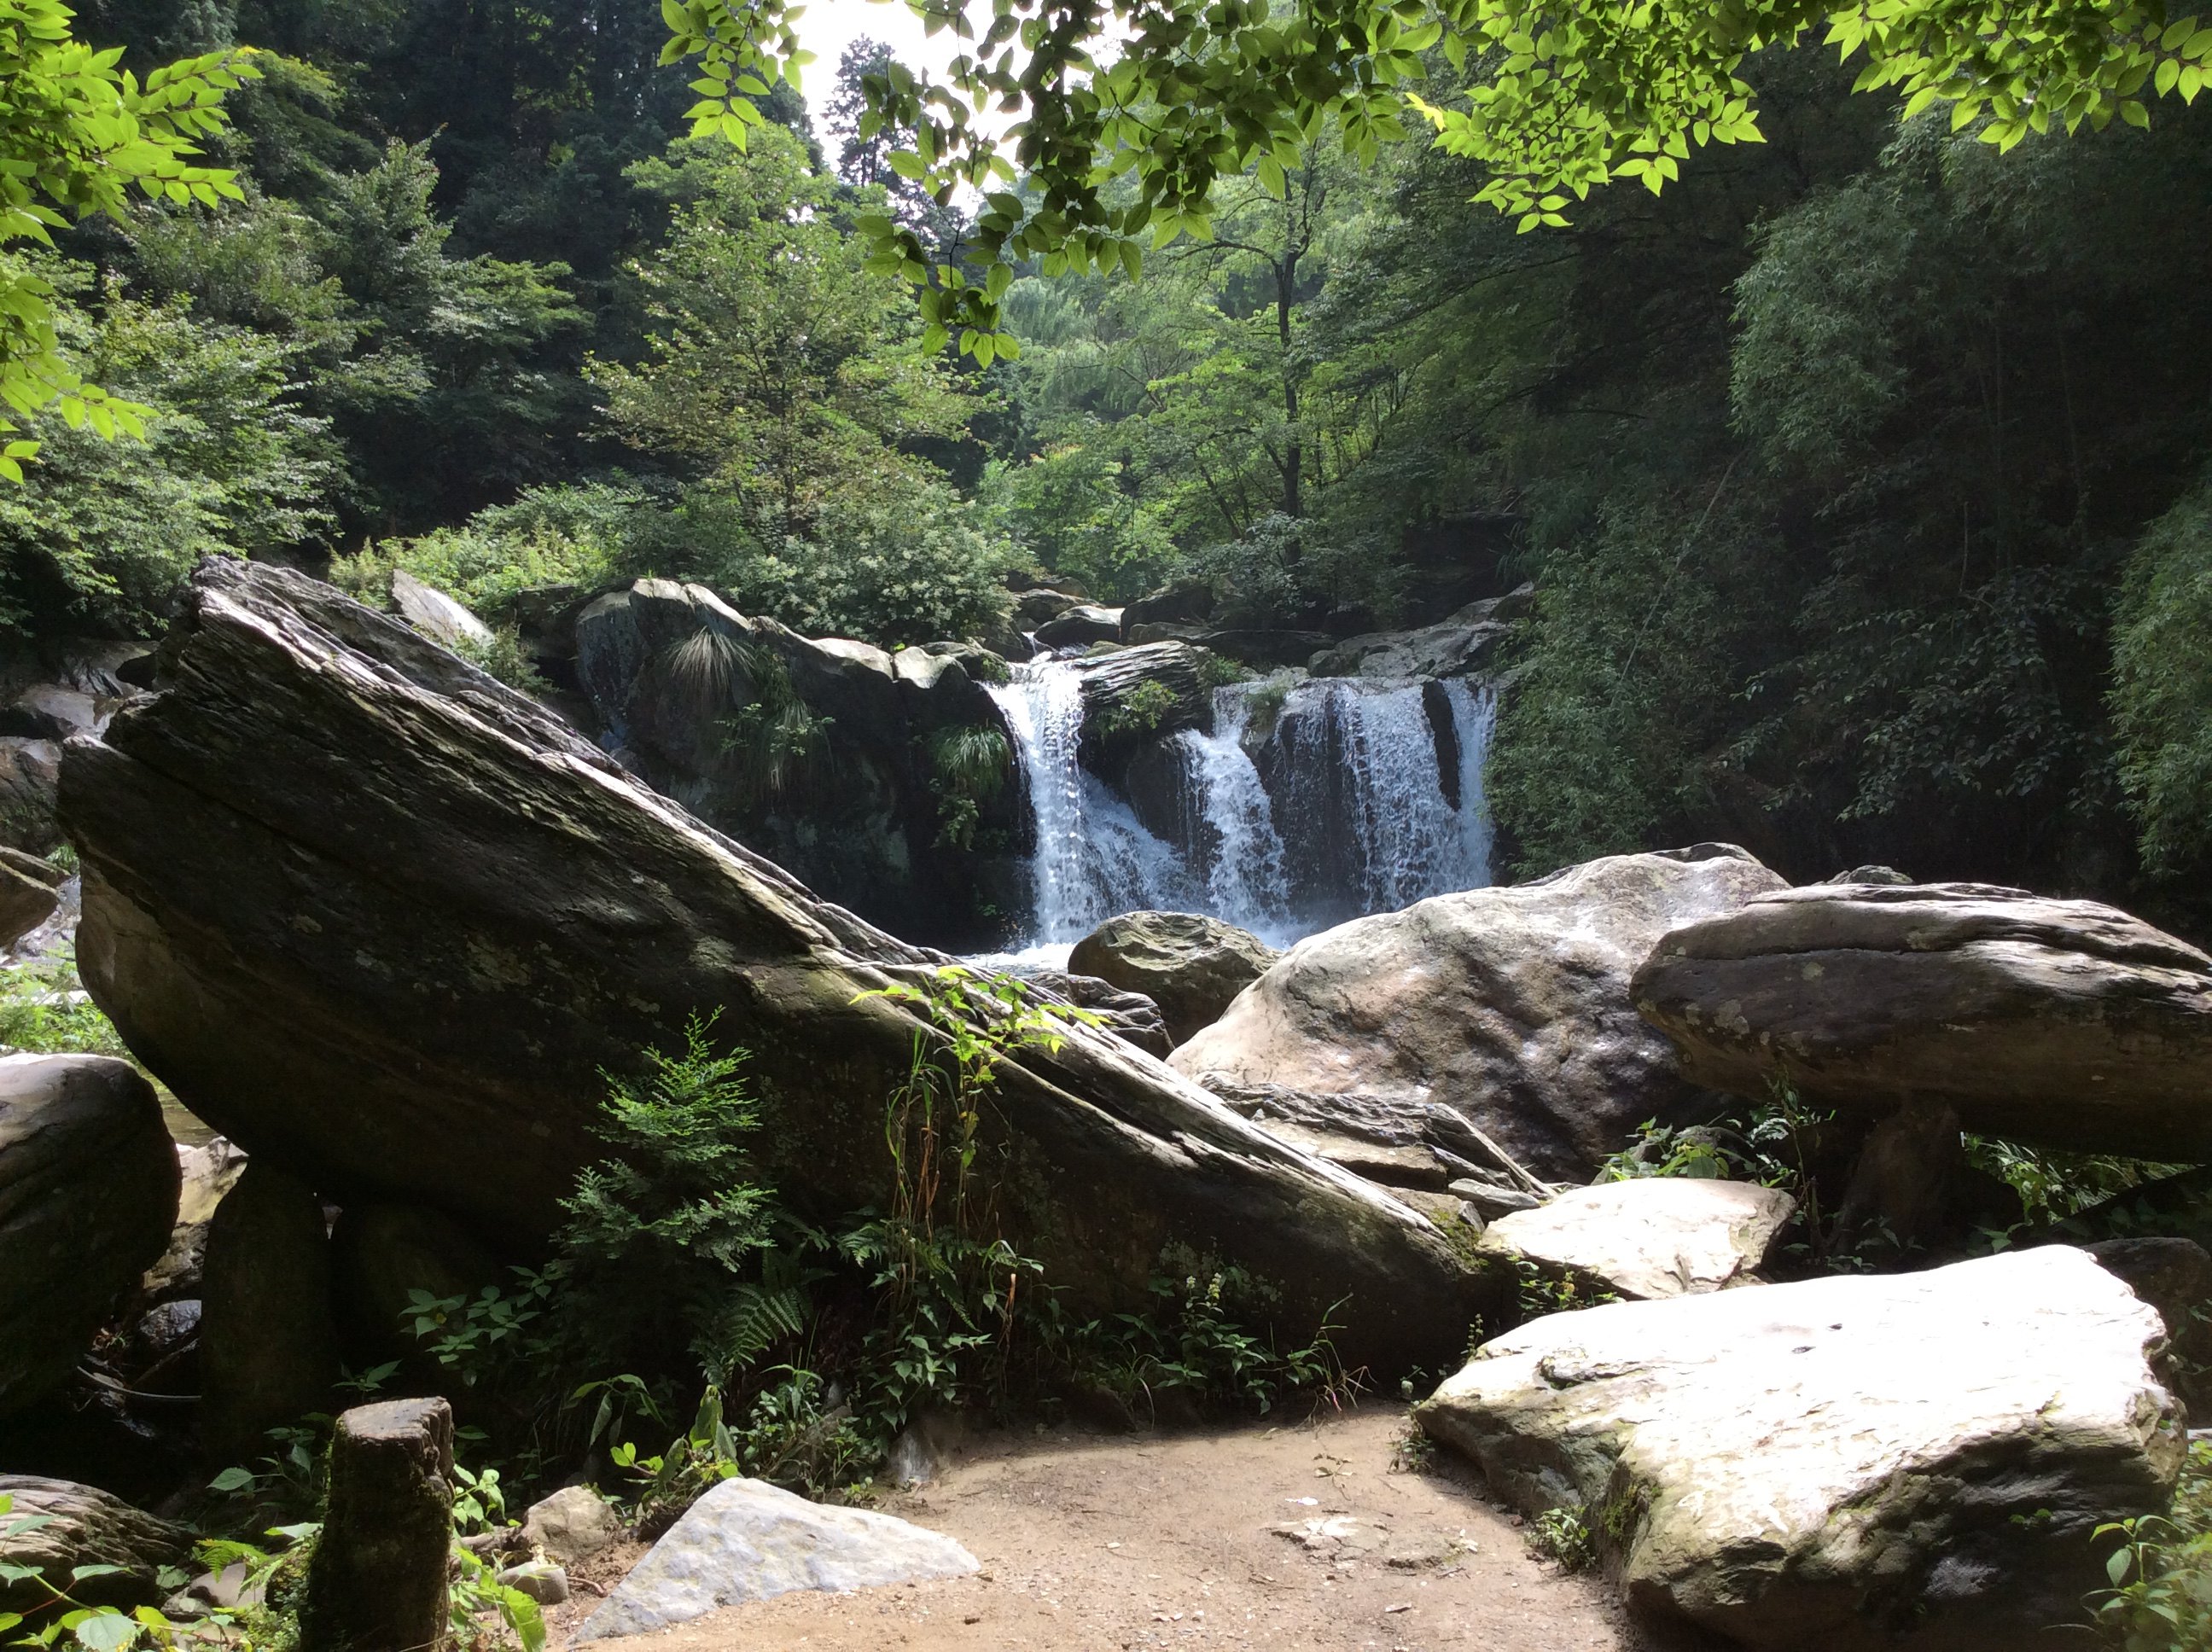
(1354, 814)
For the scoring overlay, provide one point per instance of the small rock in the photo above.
(206, 1174)
(543, 1581)
(572, 1525)
(1492, 1199)
(748, 1540)
(161, 1331)
(1191, 966)
(1081, 625)
(211, 1591)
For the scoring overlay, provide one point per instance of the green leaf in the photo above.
(107, 1630)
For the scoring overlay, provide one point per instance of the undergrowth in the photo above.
(43, 1010)
(692, 1326)
(2161, 1596)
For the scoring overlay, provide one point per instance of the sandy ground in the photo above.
(1171, 1542)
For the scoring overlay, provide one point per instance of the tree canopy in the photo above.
(82, 135)
(1130, 113)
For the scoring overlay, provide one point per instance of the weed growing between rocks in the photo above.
(683, 1287)
(969, 767)
(1143, 709)
(1563, 1535)
(2161, 1596)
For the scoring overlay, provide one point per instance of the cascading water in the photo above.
(1229, 823)
(1378, 784)
(1093, 857)
(1358, 795)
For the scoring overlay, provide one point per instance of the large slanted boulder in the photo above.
(1189, 964)
(1505, 1010)
(384, 922)
(1850, 1463)
(2064, 1023)
(88, 1194)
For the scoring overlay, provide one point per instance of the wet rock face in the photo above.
(1845, 1465)
(365, 909)
(2064, 1022)
(88, 1184)
(1506, 1010)
(1137, 696)
(820, 752)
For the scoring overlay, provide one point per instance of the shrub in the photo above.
(579, 535)
(2162, 684)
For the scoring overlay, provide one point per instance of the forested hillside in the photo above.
(1858, 473)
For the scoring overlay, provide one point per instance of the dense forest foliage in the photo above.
(1859, 474)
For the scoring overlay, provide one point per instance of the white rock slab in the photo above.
(1844, 1464)
(748, 1540)
(435, 615)
(1651, 1238)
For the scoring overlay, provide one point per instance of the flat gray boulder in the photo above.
(54, 1527)
(1651, 1238)
(1500, 1013)
(2062, 1023)
(1849, 1463)
(749, 1540)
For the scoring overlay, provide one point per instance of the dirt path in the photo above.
(1166, 1540)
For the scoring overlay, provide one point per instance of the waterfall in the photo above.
(1379, 788)
(1093, 857)
(1311, 802)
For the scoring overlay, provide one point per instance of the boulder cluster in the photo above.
(388, 925)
